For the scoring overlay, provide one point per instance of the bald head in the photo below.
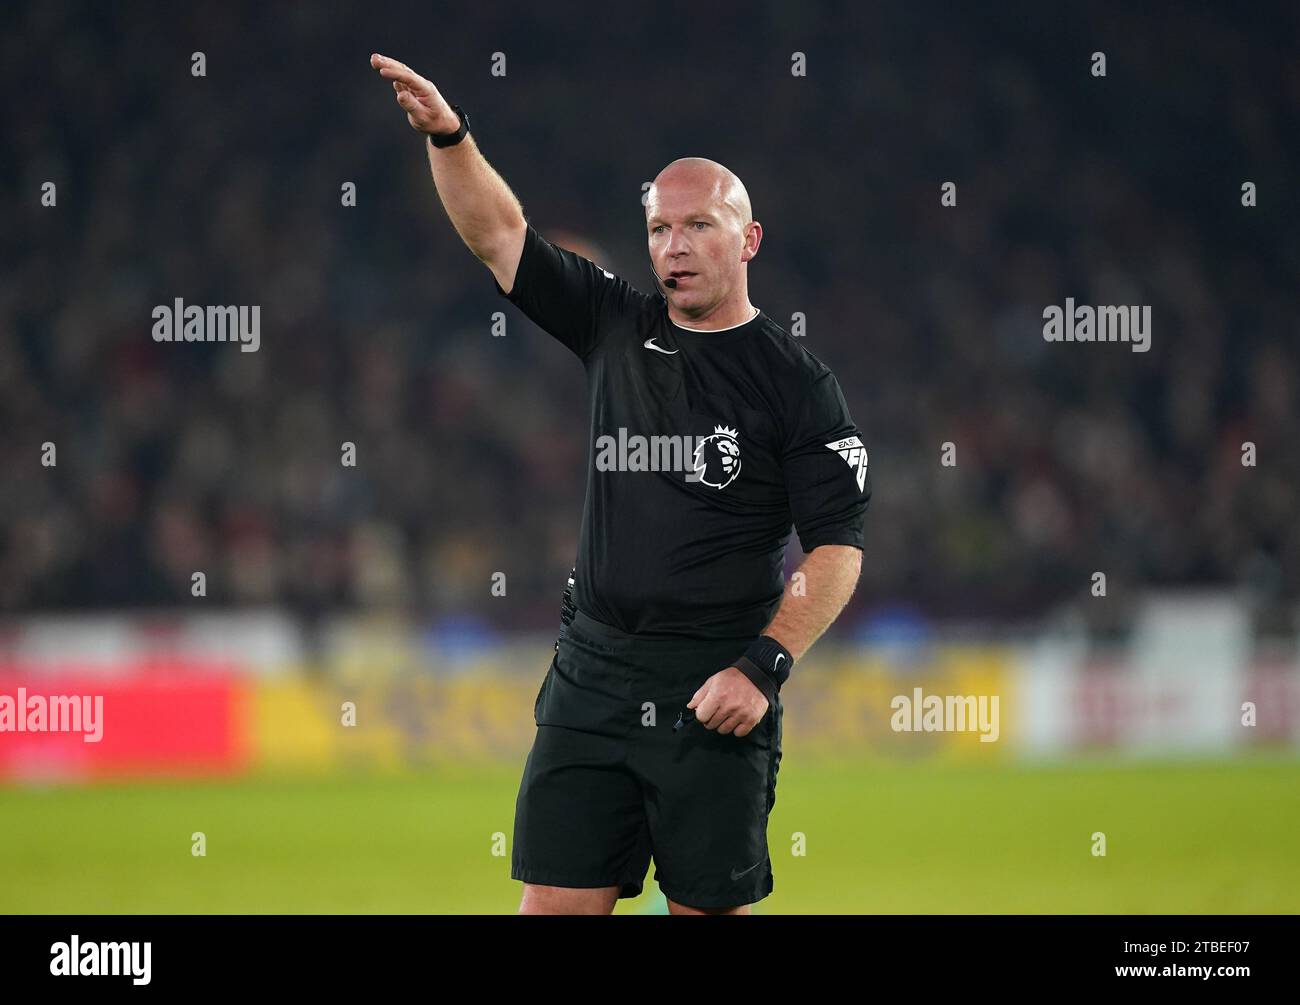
(702, 234)
(704, 183)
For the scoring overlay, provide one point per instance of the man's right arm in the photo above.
(567, 295)
(484, 211)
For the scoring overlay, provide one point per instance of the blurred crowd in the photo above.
(376, 322)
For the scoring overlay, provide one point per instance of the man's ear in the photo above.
(753, 238)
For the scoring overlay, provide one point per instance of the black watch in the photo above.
(451, 139)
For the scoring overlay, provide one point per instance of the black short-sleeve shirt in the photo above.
(705, 448)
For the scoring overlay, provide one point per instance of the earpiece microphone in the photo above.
(670, 282)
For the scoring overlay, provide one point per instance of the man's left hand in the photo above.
(729, 702)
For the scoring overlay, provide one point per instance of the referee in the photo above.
(712, 433)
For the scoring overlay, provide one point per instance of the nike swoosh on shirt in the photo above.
(650, 344)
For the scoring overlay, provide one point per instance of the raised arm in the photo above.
(484, 211)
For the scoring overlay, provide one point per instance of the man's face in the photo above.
(695, 238)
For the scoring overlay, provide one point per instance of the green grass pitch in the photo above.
(1215, 837)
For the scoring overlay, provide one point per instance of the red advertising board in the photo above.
(147, 720)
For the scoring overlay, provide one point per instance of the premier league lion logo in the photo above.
(717, 458)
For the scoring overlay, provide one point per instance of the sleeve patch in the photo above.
(855, 455)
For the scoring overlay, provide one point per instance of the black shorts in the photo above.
(609, 783)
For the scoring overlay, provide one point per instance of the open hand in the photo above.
(426, 109)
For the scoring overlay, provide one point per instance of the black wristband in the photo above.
(761, 680)
(772, 657)
(441, 140)
(767, 663)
